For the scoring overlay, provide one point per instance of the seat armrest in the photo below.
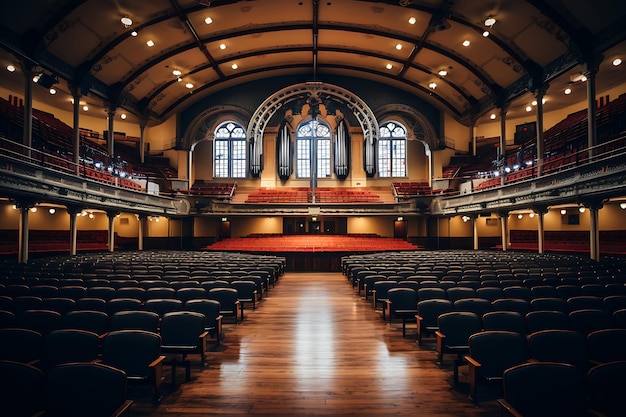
(472, 376)
(508, 408)
(123, 409)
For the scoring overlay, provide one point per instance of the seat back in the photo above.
(21, 389)
(430, 310)
(181, 329)
(402, 298)
(607, 386)
(85, 389)
(479, 306)
(20, 345)
(511, 321)
(497, 351)
(89, 320)
(458, 326)
(42, 321)
(546, 320)
(131, 351)
(589, 320)
(134, 320)
(607, 345)
(69, 345)
(209, 308)
(545, 389)
(566, 346)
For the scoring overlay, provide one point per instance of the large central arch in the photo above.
(320, 91)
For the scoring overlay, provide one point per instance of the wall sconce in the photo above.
(581, 209)
(622, 206)
(563, 212)
(52, 210)
(519, 216)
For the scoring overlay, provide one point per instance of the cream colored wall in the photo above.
(416, 161)
(382, 226)
(242, 226)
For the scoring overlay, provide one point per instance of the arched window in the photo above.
(307, 132)
(230, 151)
(392, 150)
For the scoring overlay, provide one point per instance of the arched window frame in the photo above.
(392, 150)
(229, 150)
(304, 137)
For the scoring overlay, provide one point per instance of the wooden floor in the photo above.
(313, 347)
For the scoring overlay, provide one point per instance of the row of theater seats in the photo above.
(120, 318)
(496, 316)
(311, 243)
(611, 241)
(211, 189)
(304, 195)
(54, 241)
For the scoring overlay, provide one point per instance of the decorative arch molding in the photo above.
(313, 92)
(419, 128)
(203, 125)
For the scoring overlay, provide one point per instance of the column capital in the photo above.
(541, 90)
(113, 213)
(541, 210)
(593, 203)
(25, 203)
(73, 209)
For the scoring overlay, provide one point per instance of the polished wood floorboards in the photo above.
(313, 347)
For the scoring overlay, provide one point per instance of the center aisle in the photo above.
(313, 347)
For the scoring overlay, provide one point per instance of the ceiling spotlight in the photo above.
(85, 107)
(399, 46)
(208, 20)
(568, 91)
(222, 46)
(179, 79)
(189, 85)
(176, 72)
(563, 212)
(126, 21)
(234, 66)
(123, 116)
(133, 33)
(11, 68)
(531, 214)
(443, 73)
(519, 216)
(534, 102)
(581, 209)
(583, 78)
(389, 66)
(412, 20)
(486, 33)
(490, 21)
(52, 210)
(617, 61)
(492, 116)
(52, 90)
(529, 108)
(150, 43)
(91, 215)
(432, 85)
(622, 206)
(36, 78)
(33, 210)
(466, 43)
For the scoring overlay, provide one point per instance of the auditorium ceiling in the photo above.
(466, 57)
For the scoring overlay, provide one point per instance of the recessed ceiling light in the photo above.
(222, 46)
(399, 46)
(234, 66)
(52, 90)
(11, 68)
(583, 78)
(443, 73)
(133, 33)
(492, 116)
(617, 61)
(208, 20)
(123, 116)
(568, 91)
(466, 43)
(485, 33)
(529, 108)
(389, 66)
(85, 107)
(150, 43)
(189, 85)
(433, 85)
(52, 210)
(177, 72)
(534, 102)
(412, 20)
